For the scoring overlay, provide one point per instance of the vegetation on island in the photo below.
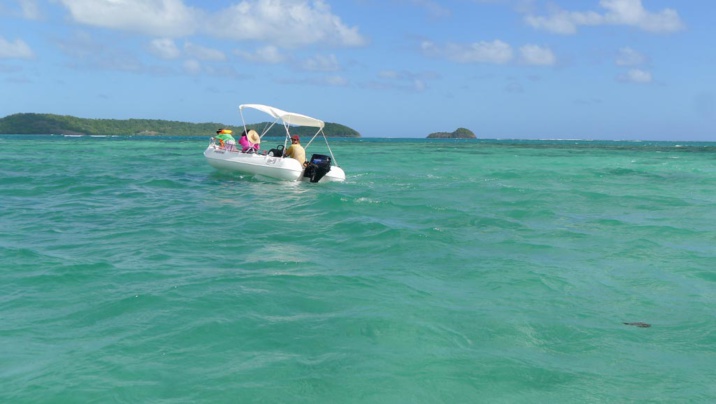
(41, 124)
(459, 133)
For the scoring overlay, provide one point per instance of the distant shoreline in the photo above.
(378, 139)
(31, 123)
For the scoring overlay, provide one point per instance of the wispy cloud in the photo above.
(88, 51)
(164, 48)
(266, 54)
(192, 66)
(496, 52)
(30, 9)
(335, 81)
(636, 76)
(617, 12)
(16, 49)
(26, 9)
(203, 53)
(537, 55)
(629, 57)
(434, 8)
(322, 63)
(322, 81)
(403, 80)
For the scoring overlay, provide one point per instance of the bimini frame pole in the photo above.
(265, 130)
(320, 131)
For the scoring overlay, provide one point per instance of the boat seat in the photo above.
(277, 152)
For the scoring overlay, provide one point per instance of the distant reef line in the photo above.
(45, 124)
(459, 133)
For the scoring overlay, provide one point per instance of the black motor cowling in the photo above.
(317, 167)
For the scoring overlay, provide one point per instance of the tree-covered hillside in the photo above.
(39, 124)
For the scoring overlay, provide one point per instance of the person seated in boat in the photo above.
(250, 142)
(296, 151)
(225, 139)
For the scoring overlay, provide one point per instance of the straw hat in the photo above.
(253, 137)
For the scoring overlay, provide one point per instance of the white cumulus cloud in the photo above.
(537, 55)
(16, 49)
(616, 12)
(162, 18)
(284, 23)
(281, 23)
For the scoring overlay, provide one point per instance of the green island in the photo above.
(44, 124)
(459, 133)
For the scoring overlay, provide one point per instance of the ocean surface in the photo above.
(441, 271)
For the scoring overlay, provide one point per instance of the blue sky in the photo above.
(530, 69)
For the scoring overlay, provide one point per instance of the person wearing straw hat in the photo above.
(250, 141)
(296, 151)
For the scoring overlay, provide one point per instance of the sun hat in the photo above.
(253, 137)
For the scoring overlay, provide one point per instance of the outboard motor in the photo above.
(319, 166)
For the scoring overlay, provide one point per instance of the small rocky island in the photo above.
(459, 133)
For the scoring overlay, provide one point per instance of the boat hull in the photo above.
(336, 174)
(286, 169)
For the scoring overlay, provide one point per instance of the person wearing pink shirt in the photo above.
(250, 142)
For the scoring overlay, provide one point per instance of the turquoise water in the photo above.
(439, 272)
